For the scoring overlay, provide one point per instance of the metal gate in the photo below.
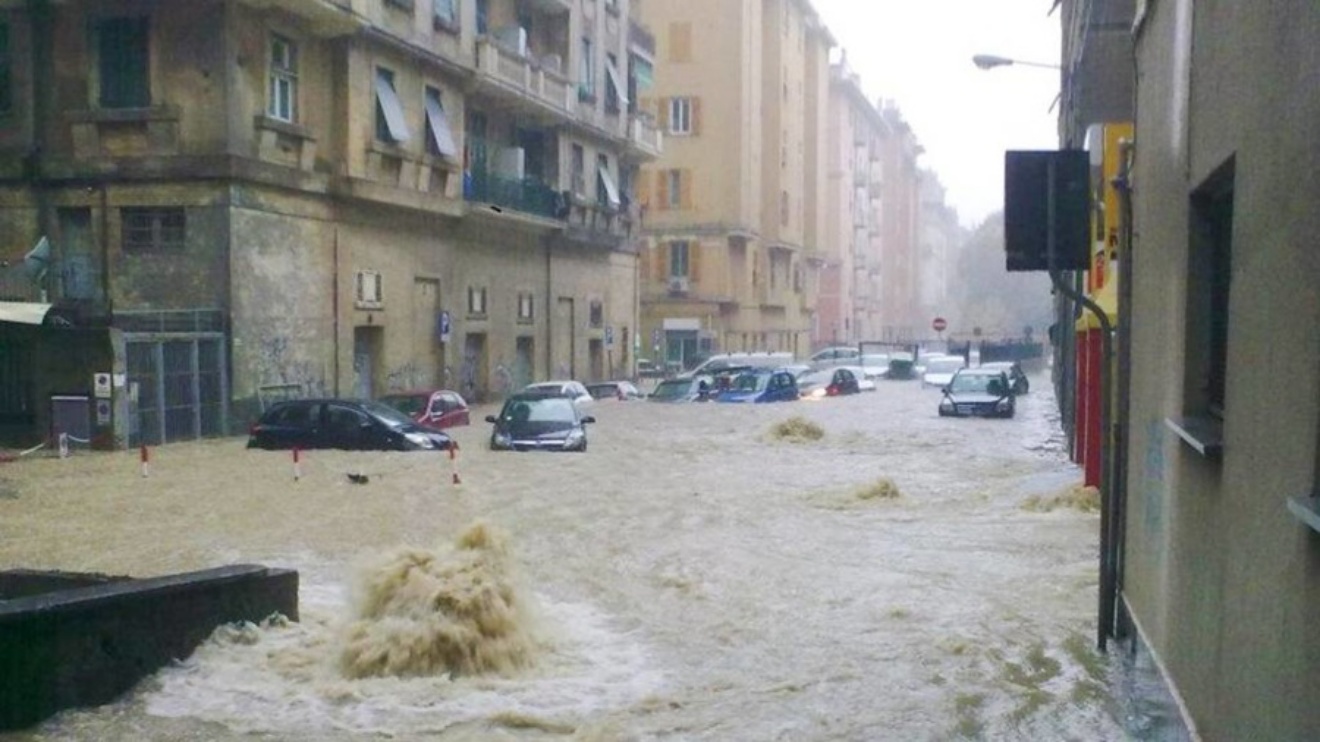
(176, 388)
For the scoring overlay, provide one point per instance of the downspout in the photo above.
(1107, 562)
(549, 314)
(1119, 438)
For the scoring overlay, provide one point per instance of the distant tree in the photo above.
(986, 295)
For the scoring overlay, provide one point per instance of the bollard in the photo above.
(64, 445)
(297, 464)
(145, 458)
(453, 462)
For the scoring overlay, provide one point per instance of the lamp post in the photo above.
(989, 61)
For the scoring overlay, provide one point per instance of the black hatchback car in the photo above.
(352, 425)
(539, 422)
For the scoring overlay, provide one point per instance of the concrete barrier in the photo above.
(69, 640)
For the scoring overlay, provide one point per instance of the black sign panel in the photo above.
(1036, 182)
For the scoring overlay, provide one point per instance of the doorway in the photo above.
(475, 373)
(366, 356)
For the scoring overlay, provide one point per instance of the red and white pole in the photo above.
(297, 464)
(145, 458)
(453, 462)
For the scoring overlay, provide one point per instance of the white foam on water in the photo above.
(282, 678)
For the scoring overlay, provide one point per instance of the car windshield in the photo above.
(539, 410)
(671, 389)
(973, 383)
(549, 389)
(408, 404)
(751, 382)
(387, 414)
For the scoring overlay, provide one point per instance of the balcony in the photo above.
(543, 90)
(526, 195)
(325, 18)
(645, 142)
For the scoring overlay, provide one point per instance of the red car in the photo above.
(439, 408)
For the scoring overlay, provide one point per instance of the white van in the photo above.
(720, 361)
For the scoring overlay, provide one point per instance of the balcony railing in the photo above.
(528, 195)
(645, 136)
(526, 76)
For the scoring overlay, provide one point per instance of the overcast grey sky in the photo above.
(919, 53)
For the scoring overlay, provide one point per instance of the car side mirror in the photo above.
(588, 419)
(491, 419)
(946, 389)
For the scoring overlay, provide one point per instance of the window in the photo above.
(680, 42)
(152, 229)
(439, 138)
(283, 103)
(445, 14)
(122, 50)
(579, 173)
(607, 193)
(390, 126)
(1209, 266)
(367, 289)
(476, 303)
(678, 259)
(483, 16)
(615, 93)
(587, 85)
(400, 4)
(596, 313)
(526, 307)
(680, 115)
(674, 188)
(6, 89)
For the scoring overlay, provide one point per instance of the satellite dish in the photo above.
(37, 260)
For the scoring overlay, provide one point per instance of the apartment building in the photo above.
(736, 217)
(849, 307)
(253, 198)
(901, 318)
(940, 239)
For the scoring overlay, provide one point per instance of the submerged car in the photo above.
(348, 424)
(1016, 376)
(830, 382)
(624, 391)
(978, 392)
(939, 371)
(539, 422)
(439, 408)
(670, 391)
(760, 387)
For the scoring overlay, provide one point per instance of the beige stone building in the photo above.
(326, 197)
(736, 208)
(848, 307)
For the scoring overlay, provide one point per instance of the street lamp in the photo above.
(988, 61)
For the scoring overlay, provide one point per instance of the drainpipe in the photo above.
(549, 314)
(1107, 601)
(1119, 437)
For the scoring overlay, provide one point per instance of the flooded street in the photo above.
(692, 576)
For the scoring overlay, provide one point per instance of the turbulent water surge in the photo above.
(705, 572)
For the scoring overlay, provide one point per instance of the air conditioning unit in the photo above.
(368, 289)
(510, 163)
(678, 284)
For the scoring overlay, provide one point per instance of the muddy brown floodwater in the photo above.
(695, 576)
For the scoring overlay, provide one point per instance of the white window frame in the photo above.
(588, 70)
(526, 306)
(440, 136)
(476, 301)
(369, 290)
(445, 12)
(282, 104)
(387, 101)
(680, 116)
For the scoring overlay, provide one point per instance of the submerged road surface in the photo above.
(696, 575)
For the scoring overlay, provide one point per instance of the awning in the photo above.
(621, 90)
(611, 190)
(388, 100)
(23, 312)
(441, 135)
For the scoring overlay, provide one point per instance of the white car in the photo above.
(574, 390)
(940, 371)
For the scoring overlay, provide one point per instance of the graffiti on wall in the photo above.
(276, 363)
(405, 377)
